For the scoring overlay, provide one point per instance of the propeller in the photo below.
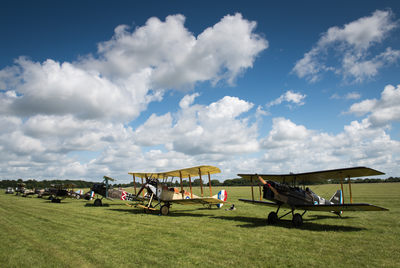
(262, 180)
(149, 181)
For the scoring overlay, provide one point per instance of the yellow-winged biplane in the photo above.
(164, 196)
(283, 191)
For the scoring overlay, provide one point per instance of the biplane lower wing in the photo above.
(193, 201)
(329, 208)
(263, 203)
(341, 207)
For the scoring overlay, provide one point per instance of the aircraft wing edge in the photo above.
(342, 207)
(256, 202)
(204, 200)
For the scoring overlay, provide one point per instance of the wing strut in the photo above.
(209, 183)
(142, 184)
(252, 190)
(134, 182)
(201, 182)
(351, 196)
(190, 185)
(180, 176)
(341, 185)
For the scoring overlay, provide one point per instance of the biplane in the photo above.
(23, 191)
(56, 192)
(284, 191)
(20, 188)
(157, 190)
(105, 190)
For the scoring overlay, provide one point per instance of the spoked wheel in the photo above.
(297, 220)
(272, 217)
(98, 203)
(164, 210)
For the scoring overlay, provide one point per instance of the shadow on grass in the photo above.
(253, 222)
(178, 213)
(92, 205)
(322, 217)
(62, 201)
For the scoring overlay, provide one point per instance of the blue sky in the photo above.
(93, 88)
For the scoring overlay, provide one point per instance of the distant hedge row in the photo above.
(230, 182)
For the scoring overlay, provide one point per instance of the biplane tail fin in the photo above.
(337, 199)
(222, 195)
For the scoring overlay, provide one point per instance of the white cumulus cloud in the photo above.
(289, 96)
(353, 42)
(177, 58)
(380, 112)
(203, 129)
(292, 147)
(75, 118)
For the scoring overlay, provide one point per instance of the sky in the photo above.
(94, 88)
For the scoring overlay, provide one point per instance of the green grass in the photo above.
(37, 233)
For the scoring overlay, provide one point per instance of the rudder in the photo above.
(222, 195)
(337, 198)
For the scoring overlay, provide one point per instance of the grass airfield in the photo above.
(38, 233)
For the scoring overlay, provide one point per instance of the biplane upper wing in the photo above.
(108, 178)
(179, 173)
(342, 207)
(144, 175)
(184, 173)
(317, 176)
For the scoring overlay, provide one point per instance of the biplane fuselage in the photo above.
(166, 193)
(295, 196)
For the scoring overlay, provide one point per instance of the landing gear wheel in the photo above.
(98, 203)
(164, 210)
(272, 218)
(297, 220)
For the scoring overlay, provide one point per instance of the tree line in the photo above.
(229, 182)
